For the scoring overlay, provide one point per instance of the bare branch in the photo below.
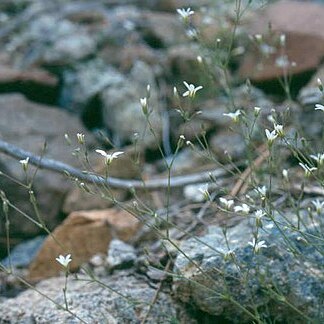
(59, 167)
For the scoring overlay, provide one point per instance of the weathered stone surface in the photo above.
(274, 270)
(173, 5)
(162, 29)
(78, 199)
(182, 61)
(228, 145)
(36, 84)
(28, 126)
(23, 254)
(83, 234)
(311, 94)
(123, 56)
(93, 303)
(122, 112)
(86, 81)
(124, 168)
(120, 255)
(62, 41)
(303, 26)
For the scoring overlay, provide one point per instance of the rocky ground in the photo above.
(78, 66)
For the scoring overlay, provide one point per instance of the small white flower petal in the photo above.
(319, 107)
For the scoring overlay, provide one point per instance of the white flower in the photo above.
(205, 192)
(256, 111)
(258, 217)
(271, 136)
(259, 214)
(257, 245)
(64, 260)
(262, 191)
(279, 130)
(191, 92)
(185, 13)
(319, 158)
(144, 104)
(199, 59)
(258, 38)
(285, 174)
(245, 209)
(308, 170)
(282, 39)
(109, 157)
(319, 107)
(318, 205)
(229, 255)
(80, 138)
(282, 61)
(24, 163)
(192, 33)
(226, 203)
(234, 116)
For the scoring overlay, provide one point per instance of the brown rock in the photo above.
(182, 60)
(78, 199)
(123, 167)
(303, 26)
(9, 75)
(36, 84)
(124, 57)
(82, 235)
(163, 29)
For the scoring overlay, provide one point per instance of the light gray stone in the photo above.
(28, 126)
(120, 254)
(122, 112)
(254, 279)
(91, 302)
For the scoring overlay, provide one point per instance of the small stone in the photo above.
(120, 255)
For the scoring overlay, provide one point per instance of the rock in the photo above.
(124, 57)
(122, 113)
(124, 168)
(77, 199)
(98, 89)
(83, 234)
(120, 255)
(29, 125)
(269, 276)
(228, 145)
(60, 42)
(85, 82)
(37, 84)
(310, 94)
(161, 29)
(173, 5)
(93, 303)
(304, 29)
(23, 254)
(182, 61)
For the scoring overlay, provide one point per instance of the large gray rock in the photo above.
(85, 82)
(29, 125)
(118, 95)
(93, 303)
(272, 280)
(122, 113)
(54, 41)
